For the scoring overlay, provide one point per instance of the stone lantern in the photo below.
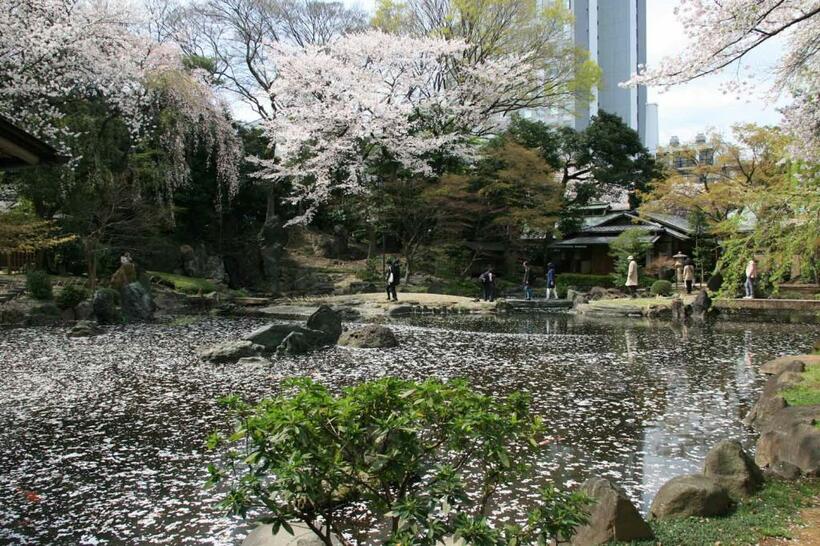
(679, 258)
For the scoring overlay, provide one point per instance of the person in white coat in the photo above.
(632, 276)
(751, 275)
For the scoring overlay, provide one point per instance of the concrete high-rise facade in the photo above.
(614, 32)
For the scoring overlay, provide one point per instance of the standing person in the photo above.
(751, 276)
(632, 276)
(689, 275)
(527, 282)
(551, 281)
(391, 280)
(488, 281)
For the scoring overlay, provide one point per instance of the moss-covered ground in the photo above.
(189, 285)
(773, 512)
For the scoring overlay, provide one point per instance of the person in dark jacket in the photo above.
(488, 282)
(527, 281)
(551, 281)
(393, 274)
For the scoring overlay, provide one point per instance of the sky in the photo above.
(701, 105)
(685, 110)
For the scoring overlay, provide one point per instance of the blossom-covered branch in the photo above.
(372, 97)
(722, 33)
(55, 52)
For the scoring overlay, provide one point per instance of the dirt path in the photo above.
(806, 534)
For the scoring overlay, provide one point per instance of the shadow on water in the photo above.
(101, 439)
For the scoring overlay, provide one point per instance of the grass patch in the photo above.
(189, 285)
(806, 393)
(768, 514)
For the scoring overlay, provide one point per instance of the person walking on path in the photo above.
(488, 282)
(632, 276)
(527, 282)
(392, 275)
(689, 275)
(551, 281)
(751, 276)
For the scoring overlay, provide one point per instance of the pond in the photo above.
(101, 439)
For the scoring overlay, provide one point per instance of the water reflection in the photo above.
(106, 433)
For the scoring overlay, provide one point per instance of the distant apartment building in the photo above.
(614, 33)
(689, 158)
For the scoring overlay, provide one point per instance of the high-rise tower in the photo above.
(614, 32)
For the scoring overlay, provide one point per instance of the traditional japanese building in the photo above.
(19, 148)
(587, 250)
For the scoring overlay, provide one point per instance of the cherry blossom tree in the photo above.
(236, 36)
(367, 99)
(55, 52)
(721, 33)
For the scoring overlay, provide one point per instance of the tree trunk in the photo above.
(270, 211)
(371, 240)
(91, 263)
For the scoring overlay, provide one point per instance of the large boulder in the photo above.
(137, 304)
(327, 321)
(105, 307)
(271, 336)
(84, 310)
(791, 436)
(731, 467)
(229, 351)
(789, 364)
(401, 311)
(371, 336)
(715, 281)
(124, 275)
(691, 495)
(598, 293)
(613, 517)
(297, 343)
(196, 262)
(771, 401)
(84, 328)
(701, 305)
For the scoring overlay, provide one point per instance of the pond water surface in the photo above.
(101, 439)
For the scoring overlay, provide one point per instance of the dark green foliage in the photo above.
(106, 302)
(608, 154)
(631, 242)
(38, 285)
(583, 283)
(70, 296)
(373, 270)
(661, 288)
(401, 448)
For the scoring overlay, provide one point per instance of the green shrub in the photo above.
(631, 242)
(70, 296)
(564, 281)
(408, 452)
(661, 288)
(373, 270)
(38, 285)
